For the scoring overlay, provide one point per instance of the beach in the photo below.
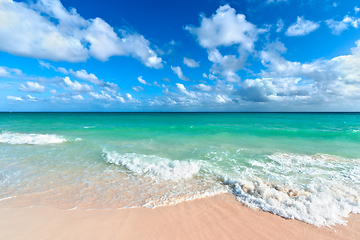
(179, 119)
(218, 217)
(193, 175)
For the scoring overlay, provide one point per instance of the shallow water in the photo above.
(297, 165)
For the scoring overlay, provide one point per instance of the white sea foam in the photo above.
(154, 166)
(317, 189)
(19, 138)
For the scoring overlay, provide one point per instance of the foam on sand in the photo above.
(315, 189)
(20, 138)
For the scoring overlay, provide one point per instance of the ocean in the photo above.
(304, 166)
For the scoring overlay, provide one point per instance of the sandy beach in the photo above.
(218, 217)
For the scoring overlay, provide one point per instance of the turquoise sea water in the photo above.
(297, 165)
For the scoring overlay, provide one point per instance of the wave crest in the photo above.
(153, 166)
(19, 138)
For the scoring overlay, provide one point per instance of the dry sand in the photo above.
(219, 217)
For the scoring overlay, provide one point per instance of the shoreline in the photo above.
(217, 217)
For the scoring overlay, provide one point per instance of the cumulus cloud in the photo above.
(181, 88)
(102, 96)
(202, 87)
(166, 80)
(63, 70)
(226, 65)
(78, 97)
(32, 87)
(76, 86)
(327, 79)
(9, 72)
(204, 97)
(356, 9)
(274, 89)
(179, 73)
(46, 30)
(15, 98)
(338, 27)
(4, 72)
(90, 77)
(279, 25)
(191, 63)
(301, 27)
(131, 99)
(275, 1)
(142, 81)
(31, 98)
(83, 75)
(138, 89)
(112, 98)
(45, 64)
(225, 28)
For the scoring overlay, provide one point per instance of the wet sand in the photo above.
(218, 217)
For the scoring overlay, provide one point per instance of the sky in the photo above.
(169, 56)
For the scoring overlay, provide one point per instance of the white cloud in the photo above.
(214, 97)
(181, 88)
(356, 9)
(338, 27)
(225, 28)
(142, 81)
(29, 30)
(279, 25)
(301, 27)
(102, 96)
(9, 72)
(110, 87)
(90, 77)
(78, 97)
(166, 80)
(275, 1)
(44, 64)
(202, 87)
(274, 89)
(330, 80)
(228, 29)
(226, 65)
(14, 98)
(120, 99)
(191, 62)
(62, 70)
(131, 99)
(138, 89)
(4, 72)
(32, 87)
(222, 99)
(31, 98)
(179, 73)
(76, 86)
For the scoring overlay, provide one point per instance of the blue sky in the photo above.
(250, 55)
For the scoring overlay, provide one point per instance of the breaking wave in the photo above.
(318, 189)
(20, 138)
(153, 166)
